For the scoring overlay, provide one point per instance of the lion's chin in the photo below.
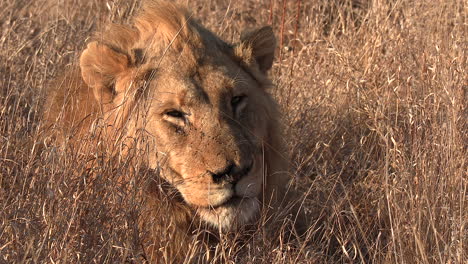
(232, 215)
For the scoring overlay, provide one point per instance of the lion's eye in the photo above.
(175, 114)
(176, 118)
(237, 100)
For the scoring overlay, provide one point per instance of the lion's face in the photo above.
(208, 127)
(201, 103)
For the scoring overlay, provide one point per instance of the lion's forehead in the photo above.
(208, 82)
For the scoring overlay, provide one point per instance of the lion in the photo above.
(215, 139)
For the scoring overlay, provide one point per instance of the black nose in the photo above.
(225, 174)
(231, 173)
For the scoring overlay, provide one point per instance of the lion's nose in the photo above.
(231, 173)
(225, 174)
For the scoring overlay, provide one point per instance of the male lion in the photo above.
(203, 103)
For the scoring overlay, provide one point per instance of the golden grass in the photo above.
(374, 97)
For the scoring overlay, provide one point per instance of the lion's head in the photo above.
(201, 103)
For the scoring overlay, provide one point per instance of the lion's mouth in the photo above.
(232, 214)
(235, 199)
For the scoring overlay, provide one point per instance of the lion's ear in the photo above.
(258, 45)
(100, 65)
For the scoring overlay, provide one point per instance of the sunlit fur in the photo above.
(128, 79)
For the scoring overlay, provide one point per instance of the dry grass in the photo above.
(374, 95)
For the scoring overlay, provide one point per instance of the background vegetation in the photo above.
(374, 98)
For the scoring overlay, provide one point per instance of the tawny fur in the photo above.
(130, 75)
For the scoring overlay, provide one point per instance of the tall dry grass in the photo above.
(374, 98)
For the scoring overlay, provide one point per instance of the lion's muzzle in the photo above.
(231, 173)
(217, 188)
